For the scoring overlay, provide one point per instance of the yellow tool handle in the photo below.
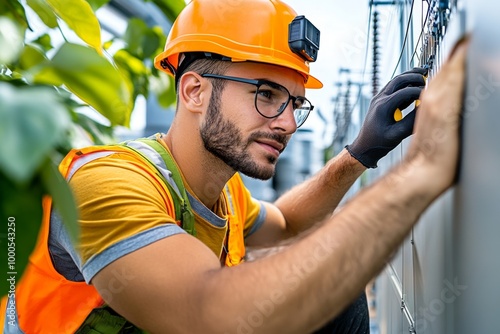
(398, 115)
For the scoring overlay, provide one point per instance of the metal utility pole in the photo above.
(375, 57)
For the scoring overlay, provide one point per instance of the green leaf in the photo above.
(133, 36)
(79, 16)
(150, 43)
(171, 8)
(106, 45)
(158, 31)
(14, 10)
(92, 78)
(62, 197)
(44, 11)
(130, 62)
(135, 70)
(96, 4)
(32, 122)
(44, 41)
(21, 211)
(31, 56)
(142, 41)
(11, 40)
(14, 81)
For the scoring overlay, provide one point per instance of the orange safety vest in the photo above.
(47, 302)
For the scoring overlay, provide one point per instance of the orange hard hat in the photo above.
(267, 31)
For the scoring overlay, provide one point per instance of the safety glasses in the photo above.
(271, 99)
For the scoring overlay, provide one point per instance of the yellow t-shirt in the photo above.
(122, 208)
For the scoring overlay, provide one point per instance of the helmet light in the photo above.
(303, 38)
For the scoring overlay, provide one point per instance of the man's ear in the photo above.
(193, 91)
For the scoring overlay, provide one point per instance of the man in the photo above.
(240, 92)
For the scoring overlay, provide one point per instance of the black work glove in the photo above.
(380, 133)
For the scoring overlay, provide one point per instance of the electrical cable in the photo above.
(404, 41)
(421, 32)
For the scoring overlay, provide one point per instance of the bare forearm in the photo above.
(330, 267)
(315, 199)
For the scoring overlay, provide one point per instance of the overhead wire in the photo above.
(421, 31)
(405, 39)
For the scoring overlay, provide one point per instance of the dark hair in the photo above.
(199, 63)
(212, 66)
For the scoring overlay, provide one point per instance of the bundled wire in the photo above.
(405, 39)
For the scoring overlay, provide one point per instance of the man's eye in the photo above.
(298, 103)
(265, 93)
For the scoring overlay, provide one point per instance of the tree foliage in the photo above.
(44, 86)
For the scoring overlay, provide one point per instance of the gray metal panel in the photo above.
(432, 268)
(477, 206)
(431, 289)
